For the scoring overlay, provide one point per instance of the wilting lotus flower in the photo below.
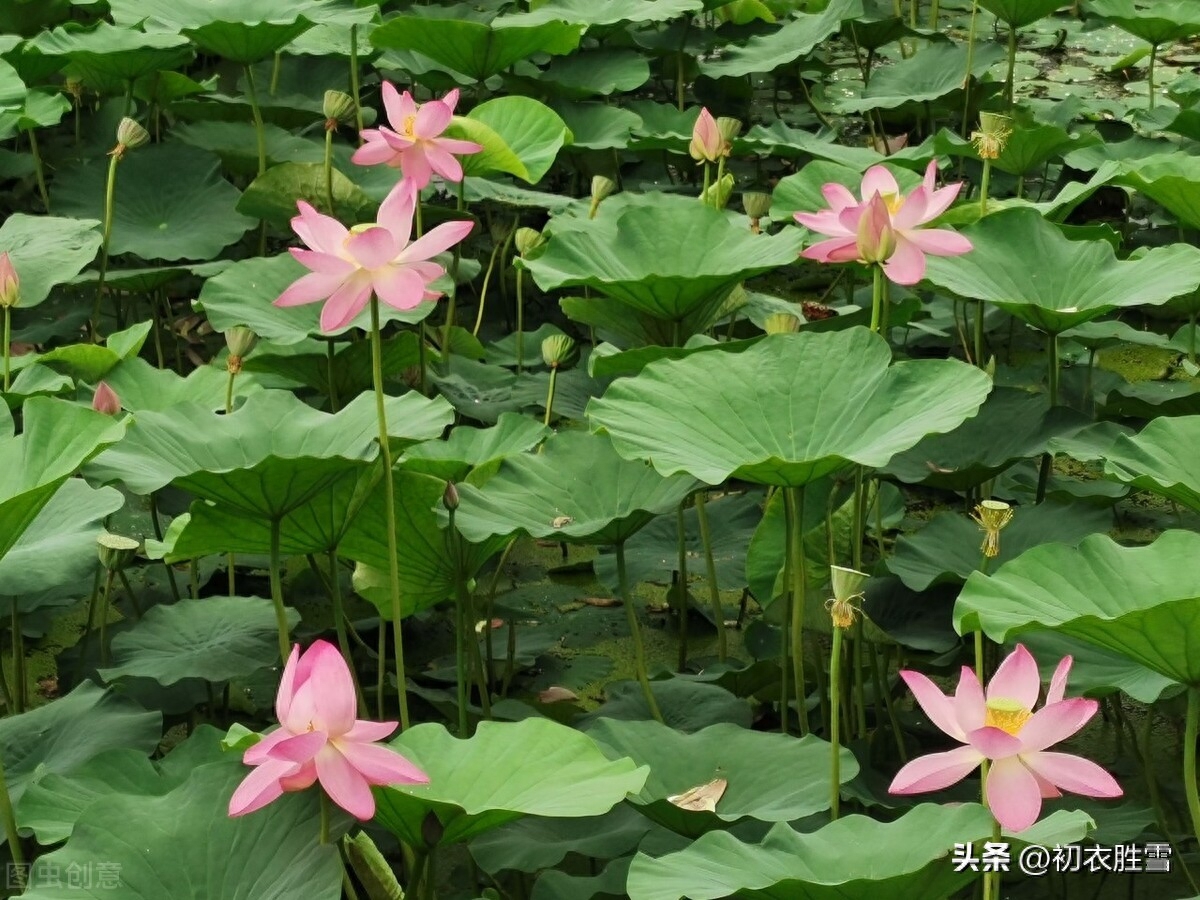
(320, 740)
(852, 239)
(1001, 726)
(414, 144)
(105, 400)
(348, 264)
(708, 144)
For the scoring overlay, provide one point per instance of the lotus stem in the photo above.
(984, 185)
(913, 6)
(10, 829)
(635, 631)
(876, 297)
(7, 348)
(788, 612)
(798, 590)
(194, 578)
(110, 190)
(158, 536)
(260, 133)
(1189, 757)
(967, 76)
(230, 562)
(883, 689)
(137, 607)
(18, 652)
(329, 170)
(354, 90)
(39, 170)
(381, 654)
(1009, 85)
(934, 15)
(1153, 55)
(991, 877)
(277, 594)
(550, 397)
(682, 587)
(487, 277)
(520, 322)
(385, 453)
(710, 568)
(980, 310)
(447, 345)
(462, 600)
(707, 182)
(835, 701)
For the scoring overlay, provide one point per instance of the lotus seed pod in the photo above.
(756, 204)
(240, 340)
(730, 128)
(847, 588)
(528, 241)
(10, 283)
(718, 194)
(992, 516)
(131, 135)
(116, 552)
(557, 350)
(372, 869)
(105, 400)
(450, 496)
(337, 107)
(992, 136)
(781, 323)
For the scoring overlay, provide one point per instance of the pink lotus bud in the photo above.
(10, 284)
(707, 143)
(876, 240)
(106, 400)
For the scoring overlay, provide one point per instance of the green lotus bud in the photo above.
(337, 108)
(847, 587)
(529, 241)
(116, 552)
(130, 136)
(377, 877)
(781, 323)
(557, 350)
(450, 496)
(240, 340)
(729, 127)
(601, 188)
(720, 192)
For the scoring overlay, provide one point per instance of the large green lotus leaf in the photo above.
(92, 362)
(1096, 672)
(143, 387)
(58, 438)
(47, 251)
(475, 49)
(171, 202)
(240, 32)
(598, 126)
(932, 73)
(65, 734)
(272, 196)
(308, 363)
(108, 52)
(796, 38)
(1161, 458)
(1019, 13)
(771, 777)
(424, 548)
(159, 854)
(59, 546)
(585, 12)
(535, 767)
(534, 843)
(576, 488)
(1169, 179)
(1140, 602)
(1154, 21)
(589, 73)
(245, 293)
(852, 858)
(948, 549)
(236, 144)
(468, 448)
(43, 108)
(520, 136)
(1062, 283)
(265, 472)
(666, 260)
(787, 411)
(1012, 424)
(217, 638)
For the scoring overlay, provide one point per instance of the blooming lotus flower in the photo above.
(319, 739)
(1001, 726)
(105, 400)
(414, 144)
(708, 144)
(347, 265)
(843, 223)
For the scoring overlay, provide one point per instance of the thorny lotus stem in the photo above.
(984, 185)
(230, 560)
(967, 76)
(934, 15)
(39, 172)
(520, 322)
(7, 348)
(1012, 65)
(329, 171)
(487, 277)
(10, 828)
(707, 182)
(276, 67)
(110, 189)
(876, 297)
(979, 662)
(799, 582)
(635, 631)
(1189, 757)
(1153, 55)
(462, 600)
(681, 594)
(788, 612)
(385, 453)
(18, 654)
(358, 116)
(835, 703)
(260, 133)
(277, 594)
(550, 397)
(980, 311)
(710, 569)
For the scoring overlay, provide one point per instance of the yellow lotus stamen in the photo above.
(1007, 715)
(992, 516)
(409, 124)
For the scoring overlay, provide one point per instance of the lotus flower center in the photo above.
(893, 202)
(1007, 715)
(409, 124)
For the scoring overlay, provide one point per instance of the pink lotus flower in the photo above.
(10, 284)
(708, 144)
(319, 739)
(347, 265)
(414, 144)
(905, 264)
(105, 400)
(1002, 727)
